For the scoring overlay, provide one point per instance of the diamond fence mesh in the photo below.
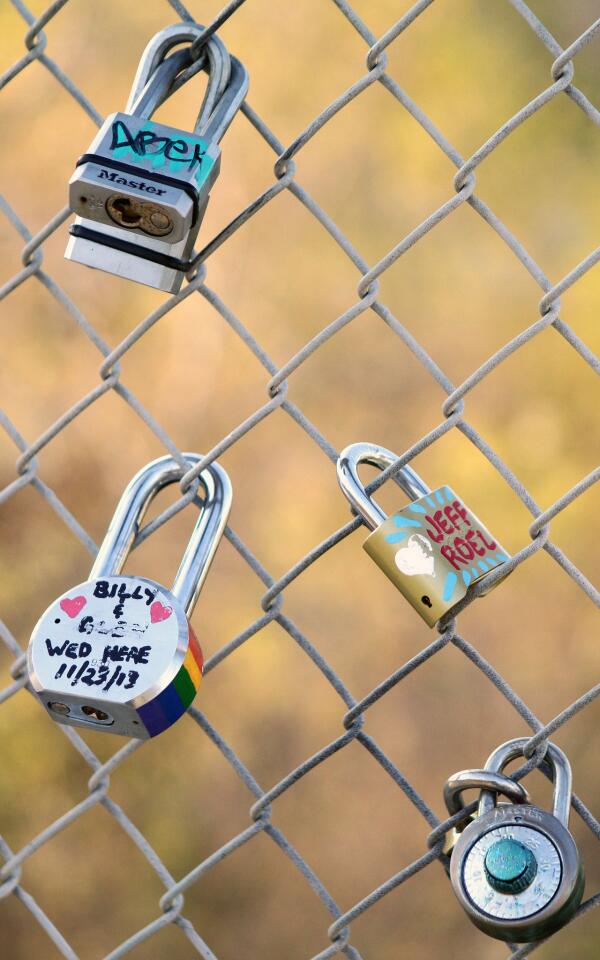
(179, 863)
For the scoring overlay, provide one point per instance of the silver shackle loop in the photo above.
(214, 127)
(202, 545)
(481, 780)
(347, 472)
(158, 76)
(157, 48)
(159, 86)
(560, 770)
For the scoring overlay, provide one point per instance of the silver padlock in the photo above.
(433, 549)
(117, 653)
(141, 190)
(515, 869)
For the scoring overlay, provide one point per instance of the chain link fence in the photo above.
(461, 398)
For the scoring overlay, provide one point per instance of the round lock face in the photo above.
(512, 872)
(119, 639)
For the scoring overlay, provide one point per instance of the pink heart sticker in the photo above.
(158, 612)
(72, 605)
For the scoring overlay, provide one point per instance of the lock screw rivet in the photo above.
(59, 707)
(160, 220)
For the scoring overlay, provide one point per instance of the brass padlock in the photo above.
(433, 549)
(117, 653)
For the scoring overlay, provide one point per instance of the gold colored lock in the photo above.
(434, 548)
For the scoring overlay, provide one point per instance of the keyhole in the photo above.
(126, 212)
(94, 713)
(426, 601)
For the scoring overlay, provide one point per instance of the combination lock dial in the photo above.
(515, 868)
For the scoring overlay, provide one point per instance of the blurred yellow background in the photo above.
(463, 294)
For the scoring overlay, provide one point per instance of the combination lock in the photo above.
(515, 868)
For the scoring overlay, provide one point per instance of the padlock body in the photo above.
(115, 654)
(161, 211)
(550, 898)
(155, 168)
(432, 550)
(94, 249)
(140, 193)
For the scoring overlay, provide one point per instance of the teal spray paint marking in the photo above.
(449, 586)
(169, 153)
(401, 535)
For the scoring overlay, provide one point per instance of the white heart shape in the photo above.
(416, 557)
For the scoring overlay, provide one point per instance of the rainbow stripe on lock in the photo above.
(168, 706)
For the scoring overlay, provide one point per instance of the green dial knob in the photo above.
(510, 866)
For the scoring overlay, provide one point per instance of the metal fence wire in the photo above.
(171, 910)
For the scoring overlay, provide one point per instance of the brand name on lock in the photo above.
(501, 814)
(136, 184)
(433, 549)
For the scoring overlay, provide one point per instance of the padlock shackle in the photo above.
(150, 88)
(227, 106)
(202, 545)
(347, 473)
(159, 75)
(155, 53)
(481, 780)
(159, 86)
(555, 759)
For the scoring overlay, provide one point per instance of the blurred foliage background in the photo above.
(462, 294)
